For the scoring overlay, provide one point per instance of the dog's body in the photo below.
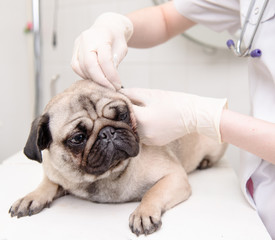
(91, 150)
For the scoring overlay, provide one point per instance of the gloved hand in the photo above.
(163, 116)
(99, 50)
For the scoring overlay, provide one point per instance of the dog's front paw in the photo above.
(28, 205)
(145, 220)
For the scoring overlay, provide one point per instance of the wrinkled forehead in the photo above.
(70, 108)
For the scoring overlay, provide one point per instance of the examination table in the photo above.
(216, 210)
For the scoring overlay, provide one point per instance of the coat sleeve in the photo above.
(214, 14)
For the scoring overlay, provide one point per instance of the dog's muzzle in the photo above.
(110, 148)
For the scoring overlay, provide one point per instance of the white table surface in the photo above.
(216, 210)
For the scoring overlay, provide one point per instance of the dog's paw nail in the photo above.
(48, 204)
(146, 232)
(30, 212)
(137, 232)
(11, 212)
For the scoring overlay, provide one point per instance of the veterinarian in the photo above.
(100, 49)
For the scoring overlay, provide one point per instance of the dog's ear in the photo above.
(39, 138)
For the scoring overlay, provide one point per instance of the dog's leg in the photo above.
(35, 201)
(166, 193)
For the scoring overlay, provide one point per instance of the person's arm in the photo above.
(155, 25)
(251, 134)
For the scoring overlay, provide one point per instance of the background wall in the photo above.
(16, 89)
(176, 65)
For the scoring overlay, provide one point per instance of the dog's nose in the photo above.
(107, 133)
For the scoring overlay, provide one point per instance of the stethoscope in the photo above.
(238, 51)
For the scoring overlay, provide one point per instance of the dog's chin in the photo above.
(105, 163)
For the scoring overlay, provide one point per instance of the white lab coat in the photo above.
(229, 15)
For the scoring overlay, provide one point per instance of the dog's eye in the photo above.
(77, 139)
(123, 116)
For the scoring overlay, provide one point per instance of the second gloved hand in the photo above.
(163, 116)
(98, 50)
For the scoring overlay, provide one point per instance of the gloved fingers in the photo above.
(147, 128)
(109, 57)
(139, 113)
(91, 68)
(120, 50)
(77, 69)
(138, 96)
(106, 62)
(85, 60)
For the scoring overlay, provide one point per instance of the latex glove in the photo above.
(99, 50)
(163, 116)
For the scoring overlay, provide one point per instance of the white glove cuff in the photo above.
(209, 117)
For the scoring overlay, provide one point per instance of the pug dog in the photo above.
(88, 144)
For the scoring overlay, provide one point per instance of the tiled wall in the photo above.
(16, 93)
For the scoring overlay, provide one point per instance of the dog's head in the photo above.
(89, 127)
